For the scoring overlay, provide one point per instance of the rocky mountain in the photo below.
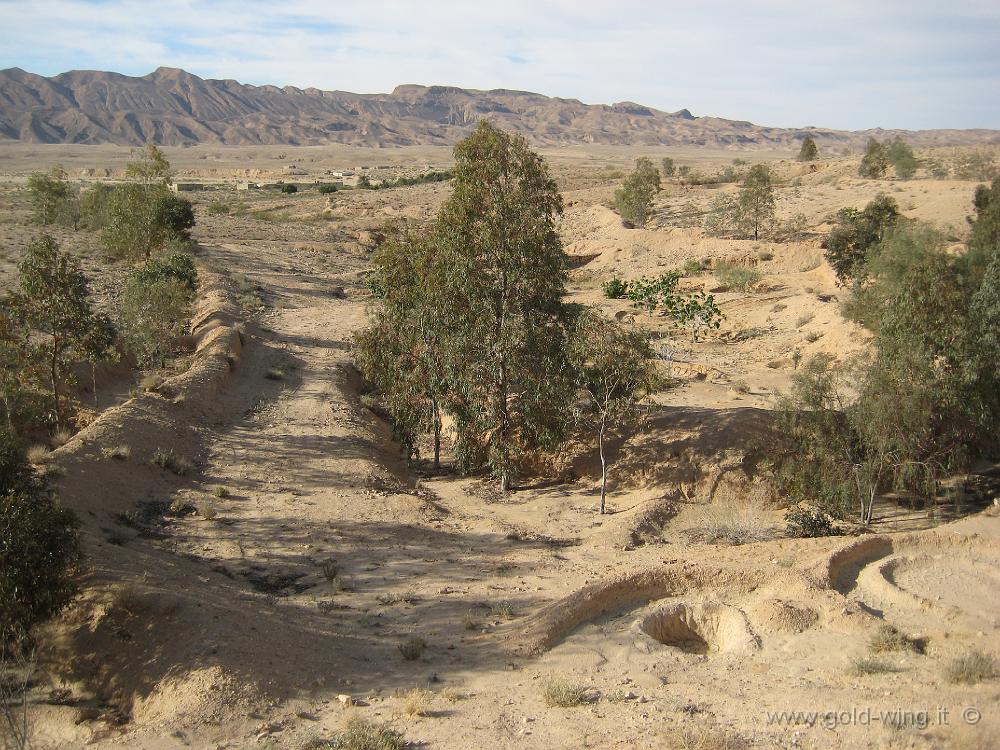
(173, 107)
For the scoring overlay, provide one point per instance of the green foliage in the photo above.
(154, 309)
(20, 372)
(748, 214)
(667, 166)
(739, 277)
(289, 188)
(856, 232)
(53, 303)
(361, 734)
(403, 351)
(149, 166)
(615, 288)
(612, 366)
(327, 189)
(94, 202)
(471, 316)
(902, 159)
(634, 199)
(808, 523)
(875, 162)
(924, 402)
(39, 547)
(696, 311)
(53, 199)
(649, 293)
(177, 266)
(756, 201)
(432, 176)
(975, 165)
(809, 150)
(215, 208)
(143, 217)
(985, 226)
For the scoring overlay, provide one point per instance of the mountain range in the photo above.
(175, 108)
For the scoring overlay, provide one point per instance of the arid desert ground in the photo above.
(270, 590)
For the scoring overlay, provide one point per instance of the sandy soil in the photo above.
(241, 618)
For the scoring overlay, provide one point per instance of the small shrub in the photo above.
(417, 701)
(179, 507)
(360, 734)
(970, 668)
(275, 374)
(730, 523)
(169, 460)
(412, 648)
(887, 638)
(218, 207)
(330, 570)
(327, 189)
(289, 188)
(814, 336)
(615, 288)
(693, 267)
(220, 491)
(469, 622)
(503, 610)
(559, 694)
(118, 452)
(737, 277)
(38, 454)
(207, 510)
(868, 666)
(803, 319)
(808, 523)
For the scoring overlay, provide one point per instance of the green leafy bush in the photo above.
(856, 232)
(39, 547)
(177, 266)
(809, 151)
(615, 288)
(327, 189)
(289, 188)
(875, 162)
(649, 293)
(634, 199)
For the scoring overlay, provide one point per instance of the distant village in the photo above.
(358, 177)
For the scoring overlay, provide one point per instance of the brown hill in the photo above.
(173, 107)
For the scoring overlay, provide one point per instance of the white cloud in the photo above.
(846, 64)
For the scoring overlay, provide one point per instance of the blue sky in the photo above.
(841, 63)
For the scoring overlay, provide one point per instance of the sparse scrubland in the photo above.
(636, 450)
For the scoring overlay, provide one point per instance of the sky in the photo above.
(839, 63)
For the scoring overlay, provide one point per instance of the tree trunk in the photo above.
(437, 433)
(54, 373)
(604, 465)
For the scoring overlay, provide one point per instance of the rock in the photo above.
(345, 700)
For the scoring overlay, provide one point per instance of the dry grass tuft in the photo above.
(730, 523)
(169, 460)
(361, 734)
(417, 701)
(867, 666)
(887, 638)
(970, 668)
(220, 491)
(61, 438)
(703, 738)
(559, 694)
(412, 648)
(117, 452)
(38, 454)
(207, 510)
